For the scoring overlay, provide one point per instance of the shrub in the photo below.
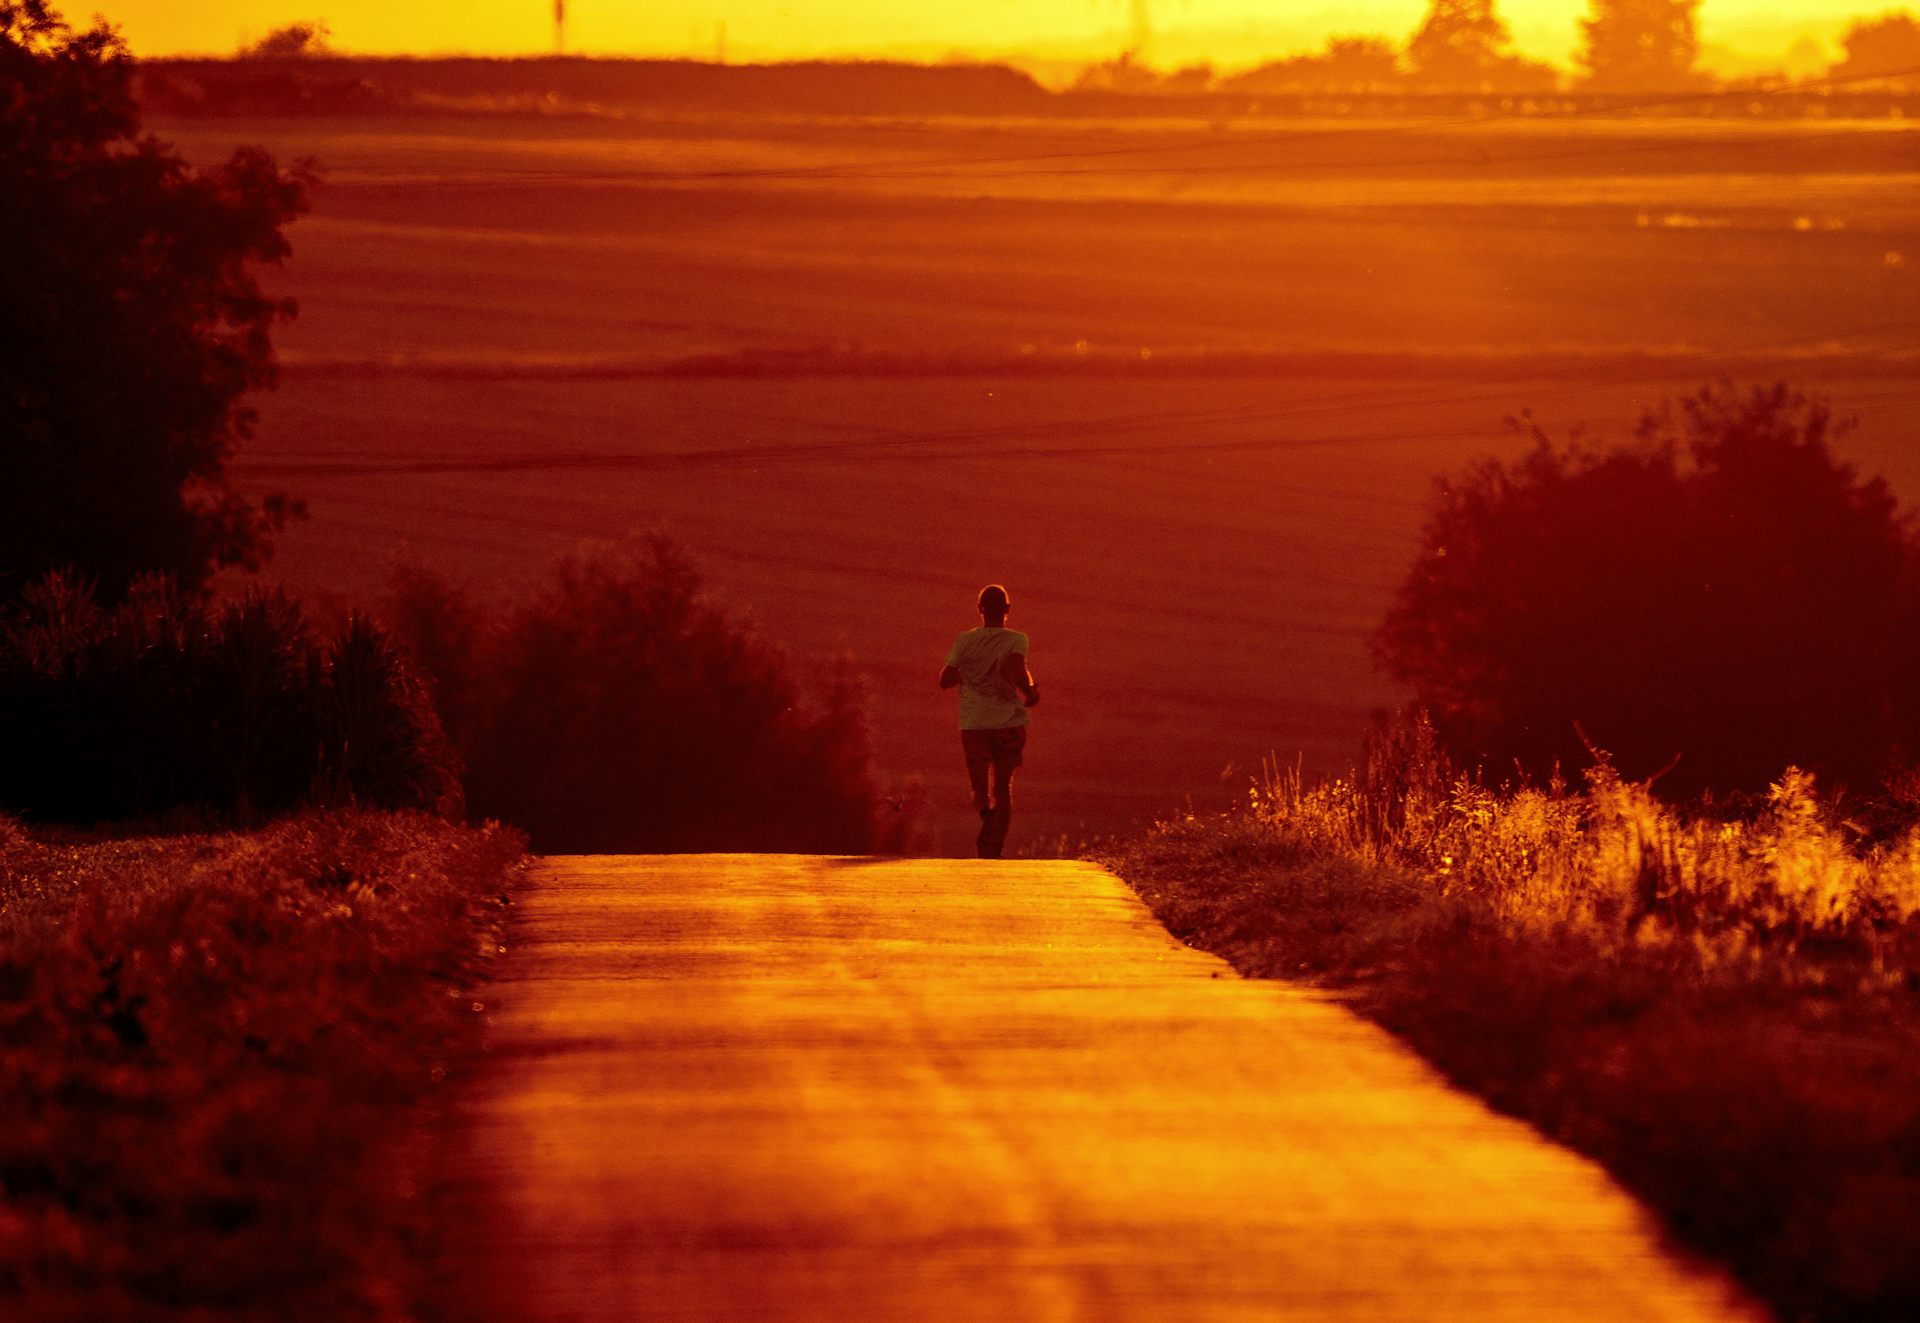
(168, 703)
(620, 708)
(212, 1052)
(1725, 593)
(380, 739)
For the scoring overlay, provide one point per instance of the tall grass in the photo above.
(1723, 1008)
(1792, 891)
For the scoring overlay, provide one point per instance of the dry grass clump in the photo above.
(1726, 1012)
(211, 1050)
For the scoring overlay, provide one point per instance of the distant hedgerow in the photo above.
(169, 702)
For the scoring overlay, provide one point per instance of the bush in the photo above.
(621, 709)
(1724, 593)
(169, 704)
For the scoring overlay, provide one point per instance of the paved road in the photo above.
(766, 1087)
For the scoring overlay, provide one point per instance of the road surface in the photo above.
(773, 1088)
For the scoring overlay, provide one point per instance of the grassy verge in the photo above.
(1725, 1014)
(213, 1051)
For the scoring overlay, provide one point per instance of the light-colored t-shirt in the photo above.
(987, 700)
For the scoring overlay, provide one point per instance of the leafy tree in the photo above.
(135, 324)
(1462, 45)
(1458, 37)
(1884, 47)
(1640, 45)
(622, 709)
(1724, 591)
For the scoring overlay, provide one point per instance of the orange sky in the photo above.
(1739, 34)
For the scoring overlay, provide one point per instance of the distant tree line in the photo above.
(1465, 46)
(1460, 46)
(1461, 55)
(1628, 47)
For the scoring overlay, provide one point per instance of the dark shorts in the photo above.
(1000, 747)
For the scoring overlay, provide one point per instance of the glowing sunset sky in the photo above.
(1228, 33)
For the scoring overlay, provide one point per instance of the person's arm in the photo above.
(1015, 671)
(949, 677)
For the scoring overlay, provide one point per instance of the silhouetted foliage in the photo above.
(168, 703)
(1640, 45)
(136, 323)
(295, 41)
(621, 709)
(1724, 591)
(1129, 75)
(386, 85)
(442, 630)
(1463, 46)
(1886, 47)
(1349, 64)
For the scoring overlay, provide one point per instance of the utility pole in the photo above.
(720, 42)
(559, 27)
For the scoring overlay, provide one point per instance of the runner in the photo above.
(989, 664)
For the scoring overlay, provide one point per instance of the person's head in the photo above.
(994, 604)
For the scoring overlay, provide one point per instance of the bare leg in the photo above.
(1000, 817)
(977, 778)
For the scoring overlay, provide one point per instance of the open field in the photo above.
(1183, 386)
